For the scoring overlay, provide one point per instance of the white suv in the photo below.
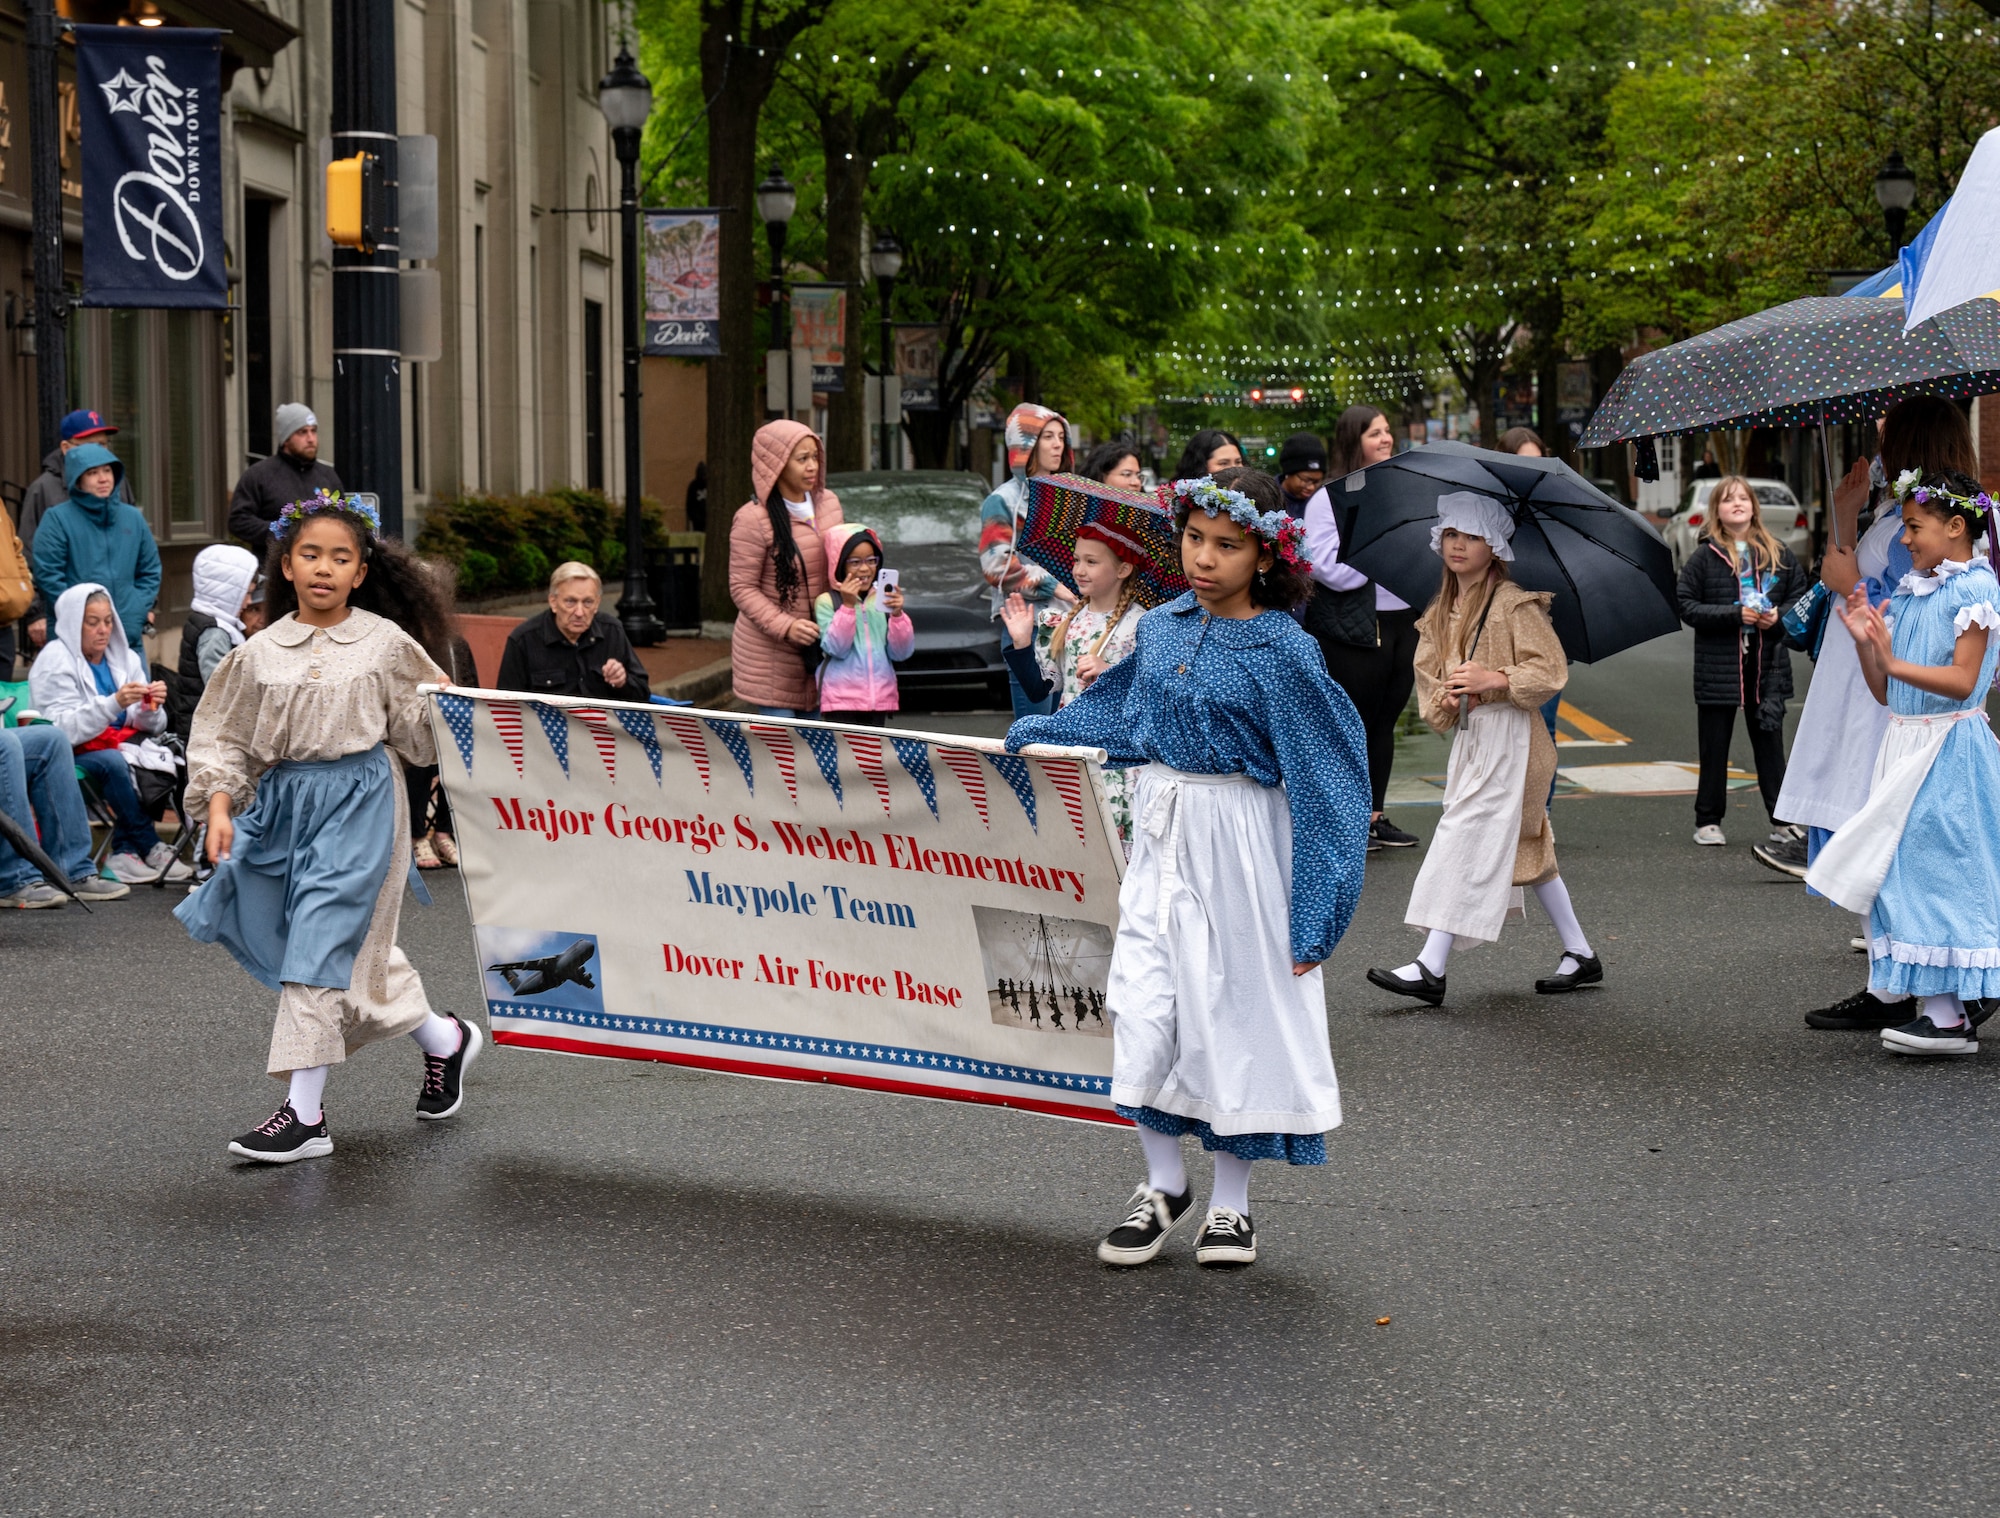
(1784, 518)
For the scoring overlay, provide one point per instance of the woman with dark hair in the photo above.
(777, 569)
(1114, 463)
(1367, 634)
(1208, 452)
(1841, 725)
(1523, 440)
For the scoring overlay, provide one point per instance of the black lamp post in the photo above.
(776, 200)
(886, 261)
(1895, 190)
(626, 97)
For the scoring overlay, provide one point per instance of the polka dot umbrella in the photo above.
(1809, 363)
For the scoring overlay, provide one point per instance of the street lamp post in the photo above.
(626, 97)
(776, 200)
(886, 260)
(1895, 190)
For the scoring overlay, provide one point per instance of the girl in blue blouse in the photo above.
(1920, 859)
(1250, 822)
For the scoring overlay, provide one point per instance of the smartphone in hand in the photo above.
(888, 579)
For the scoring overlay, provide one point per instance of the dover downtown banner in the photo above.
(905, 913)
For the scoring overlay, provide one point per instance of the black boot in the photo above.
(1589, 971)
(1428, 988)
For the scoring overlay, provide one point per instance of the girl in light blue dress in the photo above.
(1922, 858)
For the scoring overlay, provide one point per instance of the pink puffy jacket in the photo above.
(768, 670)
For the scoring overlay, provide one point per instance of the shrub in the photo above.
(477, 571)
(509, 543)
(524, 564)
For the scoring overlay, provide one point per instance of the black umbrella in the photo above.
(1611, 573)
(1806, 363)
(22, 841)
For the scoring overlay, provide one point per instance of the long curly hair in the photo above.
(398, 586)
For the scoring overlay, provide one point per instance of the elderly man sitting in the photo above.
(573, 649)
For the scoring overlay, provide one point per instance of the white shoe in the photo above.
(130, 868)
(160, 857)
(1858, 945)
(1710, 836)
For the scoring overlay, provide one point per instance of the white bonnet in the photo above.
(1478, 516)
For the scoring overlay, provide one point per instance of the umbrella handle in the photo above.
(1832, 516)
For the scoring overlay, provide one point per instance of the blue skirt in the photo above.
(1292, 1148)
(294, 899)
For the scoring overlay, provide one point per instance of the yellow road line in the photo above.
(1588, 726)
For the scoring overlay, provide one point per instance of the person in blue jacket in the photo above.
(96, 537)
(1249, 826)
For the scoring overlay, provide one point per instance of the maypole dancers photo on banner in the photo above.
(1250, 830)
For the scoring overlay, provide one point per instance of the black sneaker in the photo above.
(444, 1075)
(1144, 1232)
(1981, 1008)
(1589, 971)
(282, 1138)
(1787, 856)
(1922, 1036)
(1428, 988)
(1386, 833)
(1859, 1013)
(1226, 1238)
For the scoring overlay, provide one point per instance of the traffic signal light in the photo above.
(354, 194)
(1298, 395)
(1257, 397)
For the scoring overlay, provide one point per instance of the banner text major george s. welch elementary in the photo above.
(912, 914)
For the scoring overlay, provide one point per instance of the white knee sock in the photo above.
(1434, 956)
(307, 1087)
(1166, 1170)
(1554, 897)
(438, 1036)
(1944, 1011)
(1232, 1183)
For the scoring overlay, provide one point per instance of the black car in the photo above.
(928, 520)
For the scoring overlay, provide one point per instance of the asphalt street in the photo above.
(1653, 1248)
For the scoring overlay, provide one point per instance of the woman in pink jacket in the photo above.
(777, 569)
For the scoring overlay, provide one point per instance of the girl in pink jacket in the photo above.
(862, 628)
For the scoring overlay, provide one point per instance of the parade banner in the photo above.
(805, 901)
(151, 101)
(819, 327)
(683, 284)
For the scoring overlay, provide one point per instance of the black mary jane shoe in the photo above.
(1588, 972)
(1428, 988)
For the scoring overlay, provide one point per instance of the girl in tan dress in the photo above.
(293, 762)
(1487, 658)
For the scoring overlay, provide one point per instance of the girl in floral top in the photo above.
(1073, 645)
(290, 763)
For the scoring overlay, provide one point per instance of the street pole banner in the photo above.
(819, 327)
(683, 284)
(917, 364)
(151, 102)
(805, 901)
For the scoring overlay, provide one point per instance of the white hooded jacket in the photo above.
(63, 687)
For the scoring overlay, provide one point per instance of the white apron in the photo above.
(1208, 1020)
(1855, 861)
(1466, 886)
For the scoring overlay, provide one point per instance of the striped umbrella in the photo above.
(1058, 504)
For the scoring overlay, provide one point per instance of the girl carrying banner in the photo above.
(308, 822)
(1250, 825)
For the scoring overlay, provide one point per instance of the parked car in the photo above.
(1785, 519)
(928, 520)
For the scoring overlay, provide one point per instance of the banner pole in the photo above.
(45, 189)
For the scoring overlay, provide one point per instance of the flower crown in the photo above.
(1909, 486)
(1286, 535)
(320, 500)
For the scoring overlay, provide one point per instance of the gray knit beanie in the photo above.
(291, 417)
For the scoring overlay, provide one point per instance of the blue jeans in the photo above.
(38, 787)
(1023, 707)
(131, 829)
